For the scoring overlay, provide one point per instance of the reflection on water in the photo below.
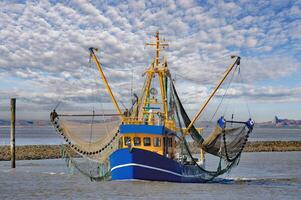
(31, 135)
(270, 134)
(258, 176)
(47, 135)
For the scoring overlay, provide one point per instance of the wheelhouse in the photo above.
(157, 139)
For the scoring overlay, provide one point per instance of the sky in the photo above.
(44, 56)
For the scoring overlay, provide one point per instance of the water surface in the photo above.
(275, 175)
(47, 135)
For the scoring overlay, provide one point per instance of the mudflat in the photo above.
(35, 152)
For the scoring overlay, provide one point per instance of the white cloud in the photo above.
(251, 42)
(295, 11)
(45, 45)
(185, 3)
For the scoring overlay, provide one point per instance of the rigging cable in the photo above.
(224, 94)
(246, 100)
(211, 173)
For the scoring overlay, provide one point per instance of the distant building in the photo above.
(277, 120)
(286, 122)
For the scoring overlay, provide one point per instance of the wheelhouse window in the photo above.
(127, 141)
(137, 141)
(146, 141)
(120, 142)
(157, 142)
(169, 142)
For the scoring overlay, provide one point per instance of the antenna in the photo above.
(158, 45)
(132, 84)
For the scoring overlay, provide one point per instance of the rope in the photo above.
(70, 161)
(245, 99)
(224, 94)
(91, 133)
(219, 170)
(213, 174)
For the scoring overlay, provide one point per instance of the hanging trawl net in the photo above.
(88, 120)
(89, 143)
(95, 138)
(95, 170)
(193, 131)
(227, 143)
(197, 170)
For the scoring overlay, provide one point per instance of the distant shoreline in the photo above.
(26, 126)
(41, 123)
(36, 152)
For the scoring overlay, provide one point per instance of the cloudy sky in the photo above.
(44, 56)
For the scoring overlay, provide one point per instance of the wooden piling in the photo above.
(12, 131)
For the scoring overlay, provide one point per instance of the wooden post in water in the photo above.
(12, 131)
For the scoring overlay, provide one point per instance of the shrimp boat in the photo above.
(149, 140)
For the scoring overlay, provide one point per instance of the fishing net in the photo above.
(95, 170)
(88, 122)
(197, 170)
(95, 138)
(89, 142)
(226, 143)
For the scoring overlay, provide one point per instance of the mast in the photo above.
(161, 71)
(149, 73)
(229, 69)
(157, 48)
(105, 80)
(158, 44)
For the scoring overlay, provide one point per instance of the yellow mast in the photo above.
(157, 48)
(229, 69)
(160, 71)
(163, 92)
(148, 84)
(105, 80)
(158, 44)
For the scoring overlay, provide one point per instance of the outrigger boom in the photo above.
(229, 69)
(92, 54)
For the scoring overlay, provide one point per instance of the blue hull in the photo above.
(140, 164)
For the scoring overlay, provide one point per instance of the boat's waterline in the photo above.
(153, 168)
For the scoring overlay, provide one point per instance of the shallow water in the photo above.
(30, 135)
(47, 135)
(274, 175)
(271, 134)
